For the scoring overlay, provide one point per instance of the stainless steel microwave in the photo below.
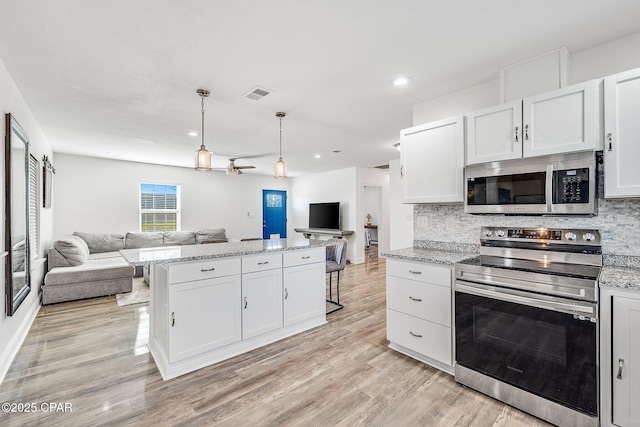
(550, 185)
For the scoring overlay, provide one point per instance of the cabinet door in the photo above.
(261, 302)
(626, 361)
(563, 121)
(495, 133)
(304, 292)
(622, 127)
(432, 161)
(204, 315)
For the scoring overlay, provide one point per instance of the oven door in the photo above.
(542, 344)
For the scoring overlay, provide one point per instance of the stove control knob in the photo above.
(488, 233)
(500, 233)
(589, 237)
(570, 236)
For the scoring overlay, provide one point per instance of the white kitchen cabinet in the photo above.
(204, 315)
(620, 357)
(304, 285)
(261, 301)
(621, 129)
(561, 121)
(419, 312)
(432, 161)
(495, 133)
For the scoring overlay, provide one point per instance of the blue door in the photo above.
(274, 214)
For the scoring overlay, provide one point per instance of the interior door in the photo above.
(274, 214)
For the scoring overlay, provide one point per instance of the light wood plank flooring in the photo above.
(92, 354)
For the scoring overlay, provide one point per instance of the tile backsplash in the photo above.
(618, 220)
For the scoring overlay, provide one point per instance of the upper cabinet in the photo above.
(622, 130)
(560, 121)
(432, 161)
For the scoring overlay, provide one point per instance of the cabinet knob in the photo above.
(620, 367)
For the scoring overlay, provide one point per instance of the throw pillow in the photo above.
(71, 249)
(175, 238)
(144, 239)
(213, 234)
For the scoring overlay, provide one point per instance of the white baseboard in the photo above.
(10, 352)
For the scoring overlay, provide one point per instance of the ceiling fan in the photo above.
(232, 169)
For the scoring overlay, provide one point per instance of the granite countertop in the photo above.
(169, 254)
(613, 276)
(434, 256)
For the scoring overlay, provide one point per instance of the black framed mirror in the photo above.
(16, 226)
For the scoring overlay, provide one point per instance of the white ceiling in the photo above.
(118, 79)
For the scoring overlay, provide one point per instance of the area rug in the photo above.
(139, 293)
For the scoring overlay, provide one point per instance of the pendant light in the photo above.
(281, 166)
(203, 157)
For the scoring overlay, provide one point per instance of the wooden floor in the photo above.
(92, 355)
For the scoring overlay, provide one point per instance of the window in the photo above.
(34, 207)
(159, 207)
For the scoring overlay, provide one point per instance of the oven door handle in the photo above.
(549, 303)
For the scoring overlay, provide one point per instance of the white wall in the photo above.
(13, 329)
(400, 214)
(101, 196)
(333, 186)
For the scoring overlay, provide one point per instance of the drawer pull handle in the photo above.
(415, 335)
(204, 270)
(263, 263)
(620, 366)
(415, 272)
(173, 319)
(415, 299)
(306, 257)
(245, 303)
(286, 293)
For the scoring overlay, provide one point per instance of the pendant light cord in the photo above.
(280, 137)
(202, 132)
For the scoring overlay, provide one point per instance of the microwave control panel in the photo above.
(571, 186)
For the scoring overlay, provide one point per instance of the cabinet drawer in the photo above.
(218, 267)
(303, 256)
(261, 262)
(424, 300)
(427, 338)
(419, 271)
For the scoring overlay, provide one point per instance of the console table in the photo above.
(316, 232)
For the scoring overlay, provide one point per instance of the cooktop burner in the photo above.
(579, 271)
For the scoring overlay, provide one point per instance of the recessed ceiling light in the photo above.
(317, 156)
(193, 133)
(401, 81)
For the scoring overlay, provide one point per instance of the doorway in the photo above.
(274, 214)
(373, 217)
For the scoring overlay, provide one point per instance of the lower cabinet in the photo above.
(207, 311)
(195, 307)
(302, 299)
(419, 311)
(620, 357)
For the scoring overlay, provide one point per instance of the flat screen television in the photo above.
(324, 215)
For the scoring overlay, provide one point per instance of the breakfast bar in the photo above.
(211, 302)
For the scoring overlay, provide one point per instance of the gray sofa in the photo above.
(87, 265)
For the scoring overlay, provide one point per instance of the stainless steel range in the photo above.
(526, 321)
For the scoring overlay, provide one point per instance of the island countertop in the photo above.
(170, 254)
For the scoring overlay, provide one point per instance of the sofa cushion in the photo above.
(73, 249)
(174, 238)
(144, 239)
(213, 234)
(90, 271)
(97, 242)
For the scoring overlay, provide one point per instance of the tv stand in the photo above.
(316, 232)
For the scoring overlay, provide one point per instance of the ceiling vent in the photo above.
(257, 93)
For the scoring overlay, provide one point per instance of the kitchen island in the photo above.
(214, 301)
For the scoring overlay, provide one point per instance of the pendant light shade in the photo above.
(281, 166)
(203, 156)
